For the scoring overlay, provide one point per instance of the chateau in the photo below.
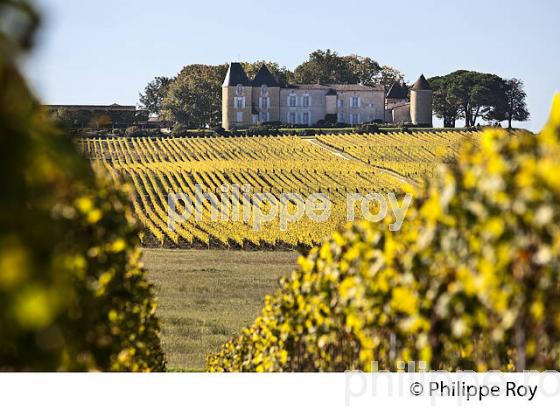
(248, 102)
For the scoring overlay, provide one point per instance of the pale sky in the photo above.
(105, 51)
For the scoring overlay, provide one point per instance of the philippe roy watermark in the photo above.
(240, 203)
(453, 389)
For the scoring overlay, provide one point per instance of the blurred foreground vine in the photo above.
(470, 282)
(73, 294)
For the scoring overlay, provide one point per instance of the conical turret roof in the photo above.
(397, 91)
(264, 77)
(421, 84)
(236, 75)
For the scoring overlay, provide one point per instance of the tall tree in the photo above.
(445, 104)
(515, 105)
(325, 67)
(365, 69)
(154, 93)
(194, 96)
(479, 94)
(388, 75)
(329, 68)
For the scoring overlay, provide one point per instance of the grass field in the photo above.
(207, 296)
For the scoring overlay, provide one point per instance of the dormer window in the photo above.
(239, 91)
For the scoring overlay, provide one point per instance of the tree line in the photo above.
(193, 97)
(470, 95)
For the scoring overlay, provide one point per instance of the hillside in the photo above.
(334, 165)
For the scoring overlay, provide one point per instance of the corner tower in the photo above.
(421, 102)
(266, 97)
(236, 98)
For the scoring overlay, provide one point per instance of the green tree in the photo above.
(325, 67)
(478, 94)
(100, 119)
(469, 95)
(194, 97)
(64, 118)
(388, 76)
(515, 106)
(154, 93)
(329, 68)
(445, 104)
(366, 70)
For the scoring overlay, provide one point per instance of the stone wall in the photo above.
(229, 110)
(401, 114)
(273, 94)
(315, 110)
(371, 106)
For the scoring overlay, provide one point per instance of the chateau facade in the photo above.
(247, 103)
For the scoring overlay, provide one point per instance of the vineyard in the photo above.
(413, 157)
(333, 165)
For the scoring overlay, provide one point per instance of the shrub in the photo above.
(272, 124)
(137, 132)
(219, 130)
(73, 294)
(471, 281)
(131, 130)
(331, 119)
(307, 132)
(262, 130)
(179, 130)
(367, 129)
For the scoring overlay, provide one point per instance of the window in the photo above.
(264, 102)
(292, 100)
(340, 117)
(355, 119)
(355, 102)
(340, 103)
(305, 101)
(239, 102)
(291, 118)
(239, 117)
(305, 118)
(239, 91)
(264, 116)
(264, 90)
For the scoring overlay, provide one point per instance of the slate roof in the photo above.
(236, 75)
(335, 87)
(397, 91)
(421, 84)
(264, 77)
